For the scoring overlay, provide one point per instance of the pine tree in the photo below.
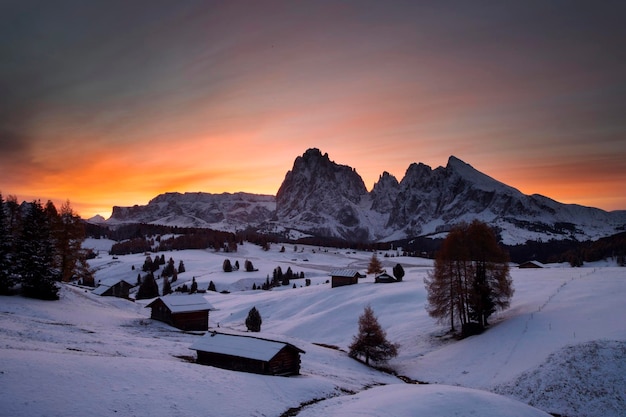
(148, 288)
(167, 287)
(227, 266)
(7, 278)
(194, 286)
(371, 341)
(375, 266)
(248, 266)
(254, 321)
(211, 287)
(398, 272)
(70, 234)
(181, 267)
(169, 269)
(35, 255)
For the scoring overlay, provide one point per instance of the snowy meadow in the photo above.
(560, 348)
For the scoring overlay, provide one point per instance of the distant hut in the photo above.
(531, 264)
(248, 354)
(341, 277)
(384, 278)
(113, 287)
(185, 312)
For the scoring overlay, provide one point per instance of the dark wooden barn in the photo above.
(113, 287)
(185, 312)
(248, 354)
(341, 277)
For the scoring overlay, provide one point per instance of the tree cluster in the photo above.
(40, 246)
(471, 278)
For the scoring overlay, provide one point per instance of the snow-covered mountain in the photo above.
(218, 211)
(321, 197)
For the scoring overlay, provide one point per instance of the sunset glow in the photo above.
(114, 103)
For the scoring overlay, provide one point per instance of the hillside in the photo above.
(86, 355)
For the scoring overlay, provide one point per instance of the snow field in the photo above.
(92, 355)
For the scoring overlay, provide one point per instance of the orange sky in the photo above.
(108, 103)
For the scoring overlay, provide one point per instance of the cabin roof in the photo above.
(107, 283)
(241, 346)
(344, 273)
(184, 303)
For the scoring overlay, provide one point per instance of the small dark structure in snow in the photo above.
(113, 287)
(185, 312)
(341, 277)
(384, 278)
(531, 264)
(248, 354)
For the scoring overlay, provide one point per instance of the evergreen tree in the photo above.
(194, 286)
(212, 287)
(35, 255)
(398, 272)
(167, 287)
(70, 234)
(236, 266)
(169, 269)
(148, 288)
(248, 266)
(181, 267)
(375, 266)
(148, 264)
(7, 278)
(371, 341)
(254, 321)
(227, 266)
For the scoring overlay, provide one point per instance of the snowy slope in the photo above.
(108, 357)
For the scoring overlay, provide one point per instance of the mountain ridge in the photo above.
(323, 198)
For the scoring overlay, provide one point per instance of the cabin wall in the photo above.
(341, 281)
(233, 363)
(285, 362)
(195, 320)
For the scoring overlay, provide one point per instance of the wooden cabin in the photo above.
(341, 277)
(113, 287)
(185, 312)
(531, 264)
(384, 278)
(248, 354)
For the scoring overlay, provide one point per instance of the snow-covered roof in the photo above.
(240, 346)
(344, 273)
(105, 284)
(535, 263)
(184, 303)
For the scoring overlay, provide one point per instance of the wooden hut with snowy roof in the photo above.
(341, 277)
(113, 287)
(185, 312)
(384, 278)
(248, 354)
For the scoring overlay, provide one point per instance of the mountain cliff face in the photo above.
(321, 197)
(219, 211)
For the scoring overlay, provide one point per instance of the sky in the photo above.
(109, 103)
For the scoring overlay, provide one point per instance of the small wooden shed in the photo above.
(531, 264)
(185, 312)
(248, 354)
(384, 278)
(341, 277)
(113, 287)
